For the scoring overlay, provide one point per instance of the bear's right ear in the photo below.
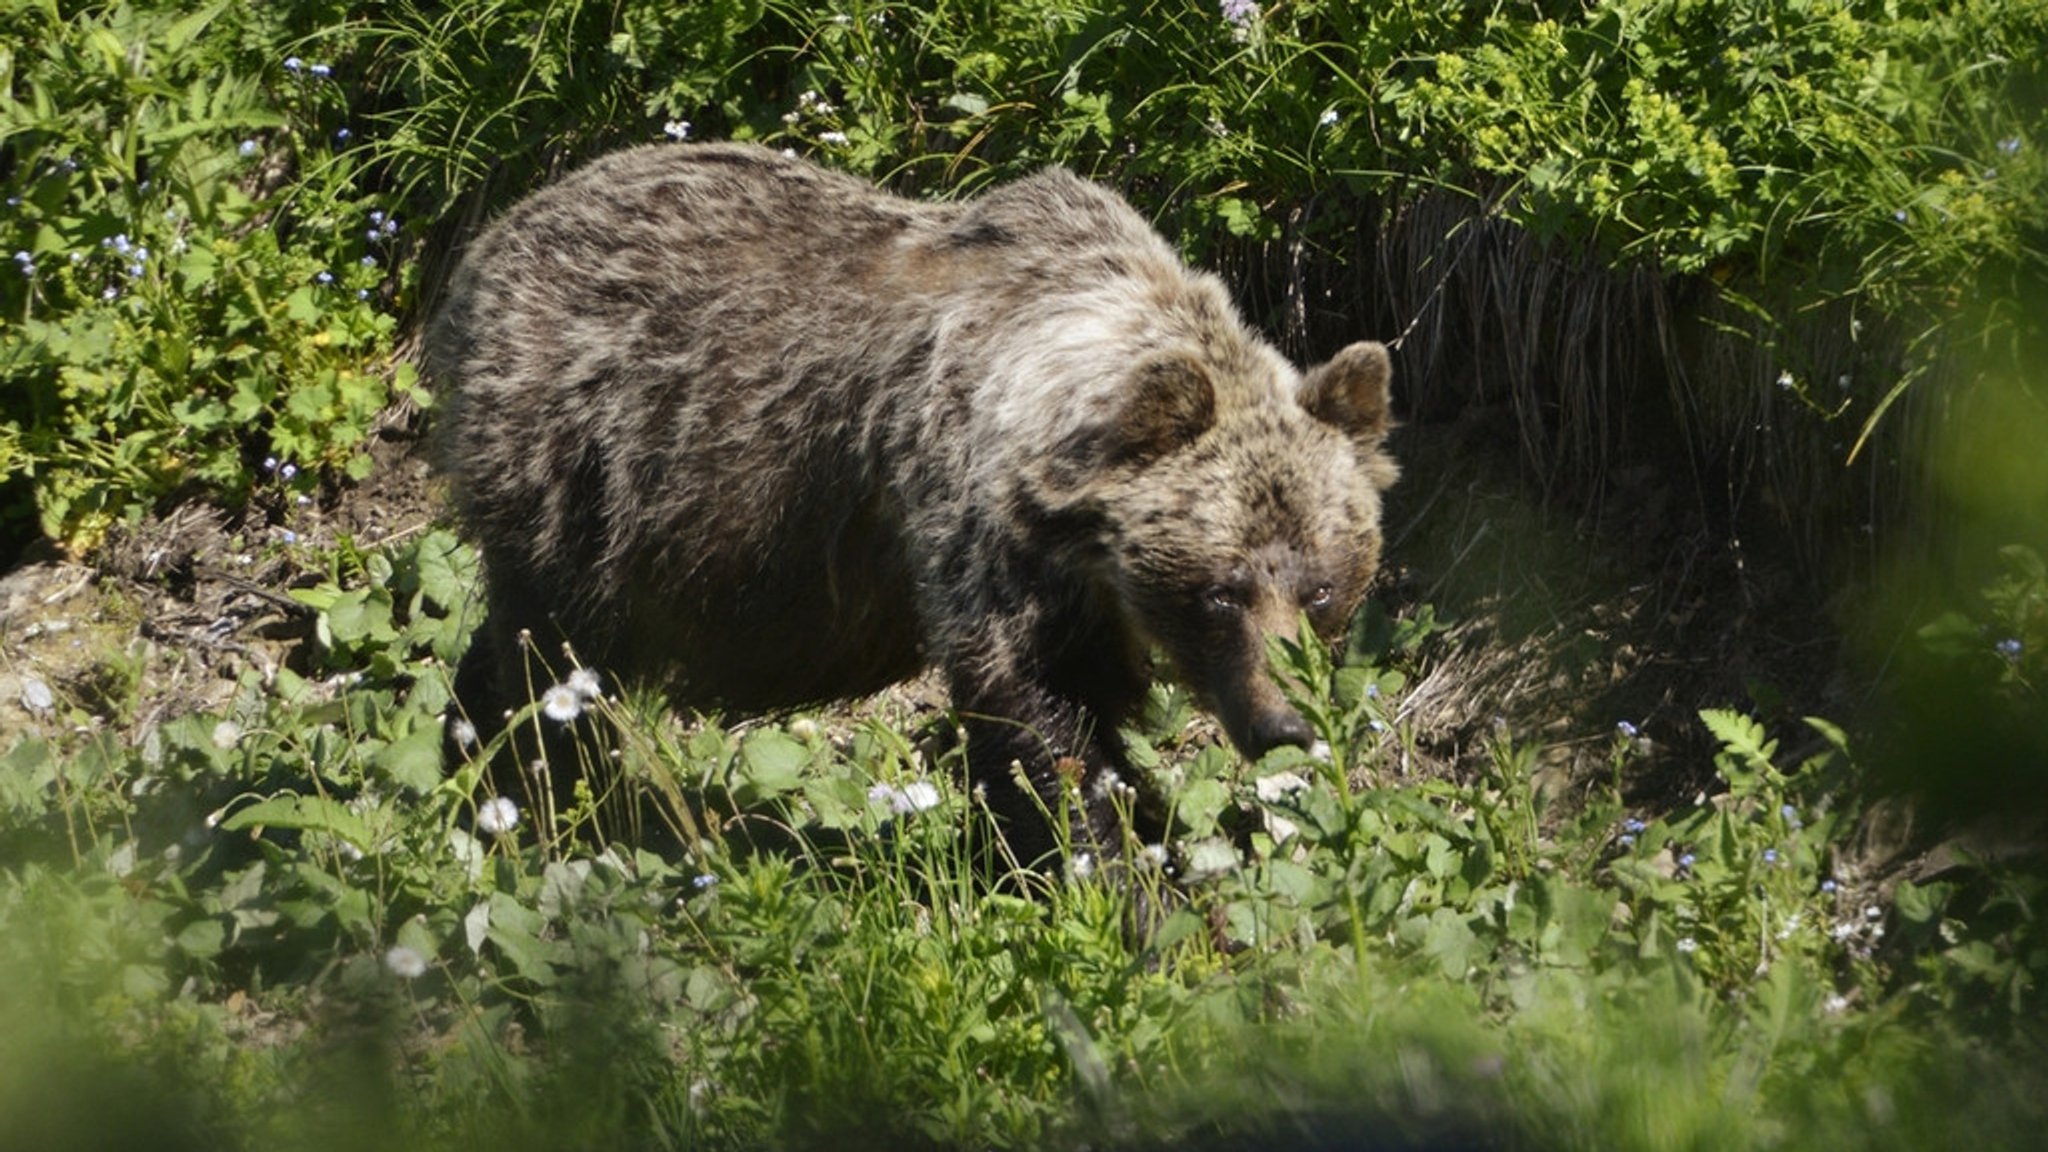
(1351, 392)
(1172, 402)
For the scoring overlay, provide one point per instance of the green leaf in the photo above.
(412, 761)
(302, 813)
(770, 763)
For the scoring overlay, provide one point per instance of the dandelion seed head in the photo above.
(463, 732)
(405, 963)
(497, 816)
(585, 682)
(226, 734)
(561, 703)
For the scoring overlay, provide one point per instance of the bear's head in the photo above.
(1240, 504)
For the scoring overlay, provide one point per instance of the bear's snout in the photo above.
(1274, 729)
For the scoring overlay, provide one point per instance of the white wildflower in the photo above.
(676, 129)
(916, 796)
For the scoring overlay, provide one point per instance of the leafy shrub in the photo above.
(196, 287)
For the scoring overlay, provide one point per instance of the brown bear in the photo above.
(761, 435)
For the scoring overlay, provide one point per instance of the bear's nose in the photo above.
(1274, 729)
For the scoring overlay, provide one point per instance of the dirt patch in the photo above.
(166, 617)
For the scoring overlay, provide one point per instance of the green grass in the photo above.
(281, 924)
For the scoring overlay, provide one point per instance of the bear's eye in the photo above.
(1321, 597)
(1223, 598)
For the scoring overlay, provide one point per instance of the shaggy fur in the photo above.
(763, 436)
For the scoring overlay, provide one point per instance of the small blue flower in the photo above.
(270, 463)
(1791, 815)
(362, 293)
(341, 135)
(706, 880)
(2010, 648)
(1625, 840)
(1627, 729)
(135, 271)
(287, 471)
(376, 215)
(1770, 855)
(1827, 886)
(1900, 215)
(323, 71)
(110, 294)
(391, 226)
(293, 64)
(369, 261)
(2009, 146)
(1686, 861)
(323, 276)
(1633, 825)
(288, 536)
(247, 148)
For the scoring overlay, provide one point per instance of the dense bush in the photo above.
(179, 183)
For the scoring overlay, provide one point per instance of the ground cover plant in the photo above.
(243, 904)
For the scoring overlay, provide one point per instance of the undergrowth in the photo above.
(284, 916)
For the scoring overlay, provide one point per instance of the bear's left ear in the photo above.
(1350, 392)
(1172, 402)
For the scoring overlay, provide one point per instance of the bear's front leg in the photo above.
(1046, 761)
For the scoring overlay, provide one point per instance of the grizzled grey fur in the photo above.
(763, 436)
